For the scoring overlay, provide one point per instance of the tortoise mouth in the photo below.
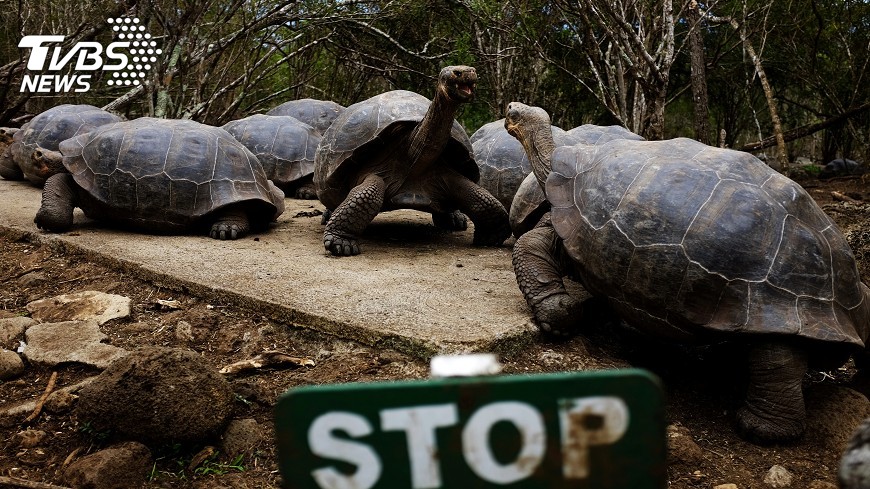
(463, 90)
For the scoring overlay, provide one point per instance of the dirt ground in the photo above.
(702, 384)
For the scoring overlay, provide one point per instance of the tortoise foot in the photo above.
(764, 430)
(492, 236)
(558, 315)
(340, 246)
(306, 193)
(450, 221)
(52, 221)
(227, 230)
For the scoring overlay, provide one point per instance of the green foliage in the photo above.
(239, 58)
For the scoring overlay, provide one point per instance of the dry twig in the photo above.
(38, 408)
(26, 484)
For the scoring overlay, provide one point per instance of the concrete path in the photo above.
(415, 288)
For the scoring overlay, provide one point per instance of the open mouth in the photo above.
(466, 89)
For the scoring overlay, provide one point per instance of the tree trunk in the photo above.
(699, 74)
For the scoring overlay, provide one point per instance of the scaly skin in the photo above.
(230, 224)
(491, 224)
(59, 198)
(539, 266)
(773, 411)
(350, 219)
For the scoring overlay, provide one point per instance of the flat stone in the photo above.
(70, 342)
(81, 306)
(12, 330)
(11, 365)
(121, 466)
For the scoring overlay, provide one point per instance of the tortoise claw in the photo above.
(340, 246)
(225, 231)
(559, 315)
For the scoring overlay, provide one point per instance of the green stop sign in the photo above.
(601, 429)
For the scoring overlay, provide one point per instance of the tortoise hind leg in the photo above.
(230, 223)
(59, 198)
(491, 224)
(450, 221)
(351, 217)
(773, 410)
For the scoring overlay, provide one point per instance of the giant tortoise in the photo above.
(529, 203)
(398, 150)
(502, 162)
(158, 175)
(33, 150)
(319, 114)
(285, 147)
(691, 242)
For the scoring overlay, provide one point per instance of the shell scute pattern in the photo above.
(284, 145)
(167, 172)
(370, 125)
(698, 237)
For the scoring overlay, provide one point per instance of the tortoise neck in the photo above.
(428, 139)
(539, 146)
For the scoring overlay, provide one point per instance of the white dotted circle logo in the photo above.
(142, 49)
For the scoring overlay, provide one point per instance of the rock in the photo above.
(31, 279)
(60, 402)
(184, 331)
(854, 472)
(28, 438)
(156, 396)
(11, 365)
(122, 466)
(70, 341)
(833, 413)
(12, 330)
(242, 436)
(81, 306)
(682, 449)
(778, 476)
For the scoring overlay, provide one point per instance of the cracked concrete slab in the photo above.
(415, 288)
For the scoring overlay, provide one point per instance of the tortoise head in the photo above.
(47, 163)
(6, 134)
(458, 83)
(531, 127)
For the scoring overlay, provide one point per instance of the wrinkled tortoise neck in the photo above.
(432, 133)
(539, 146)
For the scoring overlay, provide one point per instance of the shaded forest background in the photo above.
(785, 79)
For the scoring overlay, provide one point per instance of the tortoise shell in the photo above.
(592, 134)
(686, 239)
(502, 160)
(284, 145)
(529, 203)
(48, 129)
(319, 114)
(161, 174)
(371, 125)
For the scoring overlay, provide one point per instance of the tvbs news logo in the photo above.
(129, 59)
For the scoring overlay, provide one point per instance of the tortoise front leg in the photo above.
(351, 217)
(230, 223)
(491, 224)
(773, 410)
(59, 198)
(540, 264)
